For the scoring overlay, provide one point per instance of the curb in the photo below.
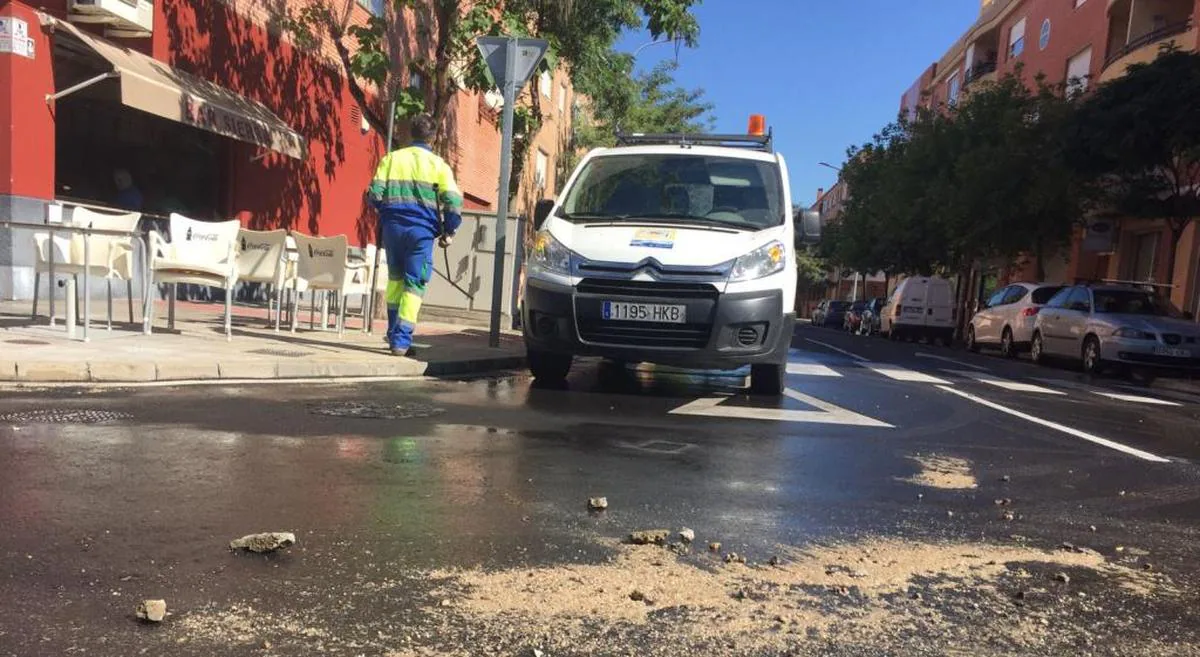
(33, 373)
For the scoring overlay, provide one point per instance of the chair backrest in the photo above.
(261, 255)
(99, 245)
(321, 260)
(377, 258)
(203, 241)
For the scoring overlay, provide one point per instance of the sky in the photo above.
(827, 74)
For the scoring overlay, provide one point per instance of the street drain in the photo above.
(26, 341)
(376, 411)
(281, 353)
(63, 416)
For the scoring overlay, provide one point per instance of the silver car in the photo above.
(1110, 325)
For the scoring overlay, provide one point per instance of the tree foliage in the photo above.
(436, 40)
(1139, 135)
(648, 102)
(985, 179)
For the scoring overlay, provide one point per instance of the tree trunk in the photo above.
(1039, 251)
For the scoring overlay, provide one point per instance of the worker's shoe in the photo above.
(399, 352)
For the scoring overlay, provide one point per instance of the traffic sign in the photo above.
(529, 53)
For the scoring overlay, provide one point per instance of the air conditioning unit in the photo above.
(121, 18)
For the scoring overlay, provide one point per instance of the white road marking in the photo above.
(840, 351)
(811, 369)
(1057, 427)
(826, 414)
(901, 374)
(1119, 396)
(1016, 386)
(951, 360)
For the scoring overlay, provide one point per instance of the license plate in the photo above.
(620, 311)
(913, 310)
(1172, 351)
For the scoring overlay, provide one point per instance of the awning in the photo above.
(154, 87)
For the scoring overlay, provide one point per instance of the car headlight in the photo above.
(1132, 334)
(766, 260)
(549, 255)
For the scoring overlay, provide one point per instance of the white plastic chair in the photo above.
(263, 258)
(323, 264)
(377, 258)
(109, 256)
(199, 253)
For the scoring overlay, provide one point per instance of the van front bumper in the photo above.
(724, 331)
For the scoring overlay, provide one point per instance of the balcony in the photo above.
(981, 71)
(1145, 48)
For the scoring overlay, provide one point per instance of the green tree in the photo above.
(1138, 136)
(649, 102)
(441, 48)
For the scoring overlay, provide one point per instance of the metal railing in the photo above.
(979, 70)
(1147, 39)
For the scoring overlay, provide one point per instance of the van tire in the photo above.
(549, 367)
(767, 379)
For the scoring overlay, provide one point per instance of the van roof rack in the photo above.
(754, 142)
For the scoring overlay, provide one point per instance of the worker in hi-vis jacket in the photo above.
(418, 203)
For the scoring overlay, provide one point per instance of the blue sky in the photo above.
(826, 73)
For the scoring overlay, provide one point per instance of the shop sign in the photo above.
(221, 121)
(14, 37)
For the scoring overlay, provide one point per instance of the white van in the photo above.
(669, 249)
(920, 307)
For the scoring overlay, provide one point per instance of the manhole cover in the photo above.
(376, 411)
(63, 416)
(26, 341)
(282, 353)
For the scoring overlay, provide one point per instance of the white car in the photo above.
(1006, 320)
(668, 249)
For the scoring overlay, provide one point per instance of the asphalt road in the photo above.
(900, 500)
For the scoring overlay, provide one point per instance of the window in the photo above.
(736, 192)
(1044, 35)
(1145, 250)
(997, 298)
(1016, 39)
(1015, 294)
(546, 84)
(540, 170)
(1079, 300)
(376, 7)
(562, 99)
(1079, 68)
(1128, 302)
(1059, 300)
(1044, 294)
(1079, 3)
(954, 84)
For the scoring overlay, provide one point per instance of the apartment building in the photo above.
(217, 113)
(1081, 42)
(846, 286)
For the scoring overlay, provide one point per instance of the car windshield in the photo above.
(704, 189)
(1124, 302)
(1043, 294)
(838, 305)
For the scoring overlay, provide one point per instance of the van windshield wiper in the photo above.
(681, 218)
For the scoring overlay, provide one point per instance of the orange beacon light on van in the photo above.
(758, 125)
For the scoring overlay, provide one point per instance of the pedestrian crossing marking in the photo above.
(1119, 396)
(812, 369)
(911, 376)
(1006, 384)
(826, 413)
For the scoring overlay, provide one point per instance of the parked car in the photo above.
(920, 307)
(871, 316)
(1007, 318)
(1103, 326)
(830, 313)
(853, 318)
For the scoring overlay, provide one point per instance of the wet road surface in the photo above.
(902, 499)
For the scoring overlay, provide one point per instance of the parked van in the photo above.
(669, 249)
(920, 307)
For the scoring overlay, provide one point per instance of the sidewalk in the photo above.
(196, 349)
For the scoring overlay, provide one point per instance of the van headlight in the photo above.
(764, 261)
(549, 255)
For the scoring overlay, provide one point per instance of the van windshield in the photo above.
(706, 189)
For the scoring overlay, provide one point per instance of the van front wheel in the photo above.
(547, 367)
(767, 379)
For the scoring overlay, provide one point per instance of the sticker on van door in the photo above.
(654, 238)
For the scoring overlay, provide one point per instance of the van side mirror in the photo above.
(808, 228)
(541, 212)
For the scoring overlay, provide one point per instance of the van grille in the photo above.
(646, 289)
(693, 335)
(644, 334)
